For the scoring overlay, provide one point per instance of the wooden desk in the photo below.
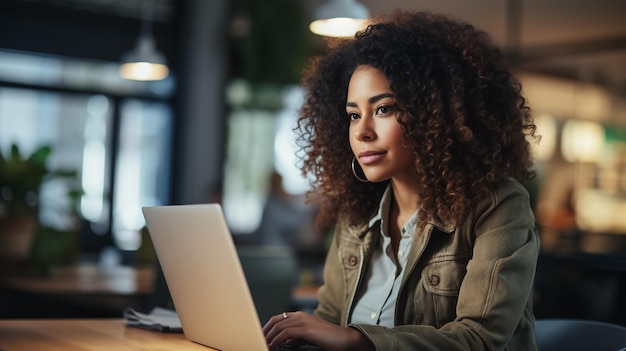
(86, 279)
(87, 335)
(80, 291)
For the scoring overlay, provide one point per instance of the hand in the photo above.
(302, 328)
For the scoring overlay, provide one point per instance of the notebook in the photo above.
(204, 275)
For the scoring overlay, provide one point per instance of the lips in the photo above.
(368, 157)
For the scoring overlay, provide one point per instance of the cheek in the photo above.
(395, 133)
(402, 151)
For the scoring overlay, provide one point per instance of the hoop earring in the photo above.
(364, 180)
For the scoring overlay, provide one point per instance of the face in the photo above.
(375, 135)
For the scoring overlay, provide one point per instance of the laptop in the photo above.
(204, 275)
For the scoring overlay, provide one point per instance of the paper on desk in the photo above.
(160, 319)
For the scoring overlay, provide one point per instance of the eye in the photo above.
(385, 109)
(353, 116)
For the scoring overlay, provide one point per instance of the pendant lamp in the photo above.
(339, 18)
(144, 62)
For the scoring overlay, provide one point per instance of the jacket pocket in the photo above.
(442, 281)
(350, 256)
(444, 277)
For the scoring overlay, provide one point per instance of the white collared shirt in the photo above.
(376, 300)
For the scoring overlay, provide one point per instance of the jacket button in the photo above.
(352, 260)
(434, 280)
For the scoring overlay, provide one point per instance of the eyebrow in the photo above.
(373, 99)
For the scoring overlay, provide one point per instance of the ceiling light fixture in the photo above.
(339, 18)
(144, 62)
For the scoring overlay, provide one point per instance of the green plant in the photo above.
(21, 178)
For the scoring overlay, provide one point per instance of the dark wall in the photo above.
(52, 29)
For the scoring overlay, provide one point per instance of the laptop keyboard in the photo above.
(284, 347)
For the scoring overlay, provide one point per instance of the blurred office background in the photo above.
(218, 128)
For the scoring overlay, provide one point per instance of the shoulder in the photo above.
(509, 192)
(511, 187)
(508, 203)
(508, 199)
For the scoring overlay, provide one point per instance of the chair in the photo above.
(578, 334)
(271, 273)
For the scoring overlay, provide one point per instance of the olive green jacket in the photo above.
(465, 288)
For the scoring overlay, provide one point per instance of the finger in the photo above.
(279, 324)
(272, 329)
(271, 322)
(289, 335)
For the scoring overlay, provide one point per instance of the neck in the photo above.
(403, 206)
(405, 200)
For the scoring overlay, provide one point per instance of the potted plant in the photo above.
(20, 182)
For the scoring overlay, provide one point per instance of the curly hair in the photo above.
(462, 115)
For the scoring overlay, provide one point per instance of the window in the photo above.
(261, 141)
(116, 133)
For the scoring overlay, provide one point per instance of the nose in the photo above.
(363, 129)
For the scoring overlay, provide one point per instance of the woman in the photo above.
(417, 135)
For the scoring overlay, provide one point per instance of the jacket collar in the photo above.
(383, 213)
(441, 225)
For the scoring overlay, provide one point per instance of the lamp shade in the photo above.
(144, 62)
(339, 18)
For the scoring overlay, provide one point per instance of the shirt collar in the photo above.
(383, 212)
